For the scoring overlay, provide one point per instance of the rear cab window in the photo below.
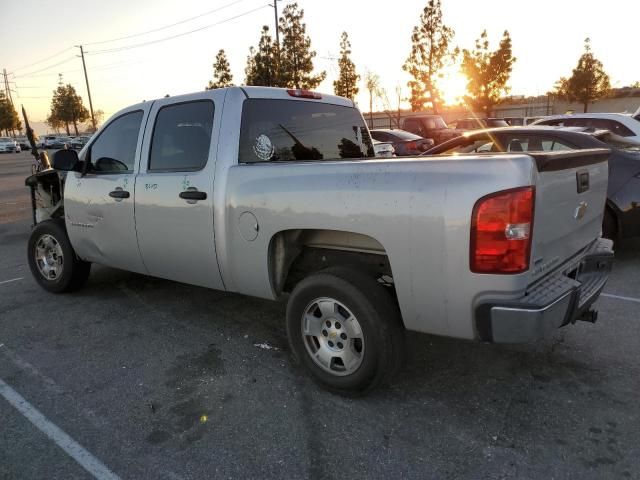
(275, 130)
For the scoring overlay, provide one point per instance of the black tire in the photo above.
(609, 225)
(73, 273)
(377, 315)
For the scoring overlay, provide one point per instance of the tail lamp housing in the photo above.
(501, 230)
(302, 93)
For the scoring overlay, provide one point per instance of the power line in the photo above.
(133, 35)
(129, 47)
(45, 68)
(43, 60)
(50, 74)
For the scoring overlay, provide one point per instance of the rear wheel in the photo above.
(52, 260)
(345, 328)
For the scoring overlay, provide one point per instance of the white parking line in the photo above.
(90, 463)
(620, 297)
(12, 280)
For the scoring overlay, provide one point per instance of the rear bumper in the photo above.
(559, 299)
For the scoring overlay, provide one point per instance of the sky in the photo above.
(547, 38)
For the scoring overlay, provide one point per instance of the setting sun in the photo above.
(453, 85)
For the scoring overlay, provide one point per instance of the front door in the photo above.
(99, 204)
(174, 190)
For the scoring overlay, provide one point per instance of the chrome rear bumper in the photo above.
(562, 298)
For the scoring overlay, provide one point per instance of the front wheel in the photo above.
(52, 260)
(345, 328)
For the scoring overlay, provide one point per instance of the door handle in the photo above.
(119, 193)
(193, 195)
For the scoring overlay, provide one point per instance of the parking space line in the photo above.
(87, 461)
(12, 280)
(620, 297)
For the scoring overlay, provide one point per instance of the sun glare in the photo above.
(453, 86)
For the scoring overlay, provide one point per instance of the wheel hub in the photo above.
(332, 336)
(48, 257)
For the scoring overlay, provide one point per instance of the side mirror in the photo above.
(66, 160)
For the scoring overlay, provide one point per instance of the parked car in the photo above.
(276, 193)
(47, 140)
(622, 213)
(429, 126)
(521, 121)
(78, 142)
(466, 124)
(8, 145)
(383, 149)
(54, 142)
(622, 124)
(23, 142)
(404, 143)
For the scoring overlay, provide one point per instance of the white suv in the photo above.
(623, 124)
(8, 144)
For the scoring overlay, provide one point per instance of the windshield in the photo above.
(289, 130)
(438, 123)
(496, 123)
(5, 139)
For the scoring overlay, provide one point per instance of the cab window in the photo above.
(414, 126)
(182, 137)
(114, 150)
(293, 130)
(533, 143)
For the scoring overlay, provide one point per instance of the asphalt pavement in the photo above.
(141, 378)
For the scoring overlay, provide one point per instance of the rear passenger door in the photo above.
(174, 189)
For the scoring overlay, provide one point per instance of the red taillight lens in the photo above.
(501, 227)
(300, 93)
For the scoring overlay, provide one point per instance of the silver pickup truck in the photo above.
(276, 193)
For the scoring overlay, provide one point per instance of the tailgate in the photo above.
(571, 192)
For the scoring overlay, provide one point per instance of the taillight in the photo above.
(501, 227)
(301, 93)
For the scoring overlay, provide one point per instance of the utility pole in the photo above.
(275, 12)
(7, 92)
(86, 78)
(6, 86)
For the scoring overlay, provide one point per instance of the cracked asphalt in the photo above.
(163, 380)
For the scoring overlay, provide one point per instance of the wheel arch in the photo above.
(296, 253)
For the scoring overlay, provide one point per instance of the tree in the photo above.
(296, 56)
(221, 72)
(261, 63)
(54, 122)
(9, 120)
(430, 53)
(487, 72)
(372, 82)
(67, 108)
(587, 83)
(347, 83)
(87, 126)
